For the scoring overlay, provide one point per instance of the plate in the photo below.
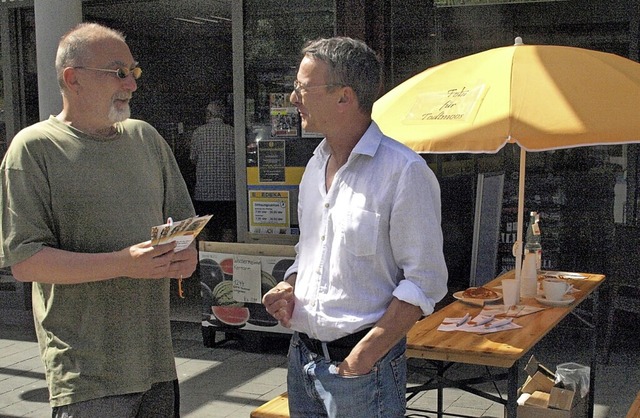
(566, 300)
(564, 275)
(458, 295)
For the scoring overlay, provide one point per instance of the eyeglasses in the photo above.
(298, 87)
(121, 73)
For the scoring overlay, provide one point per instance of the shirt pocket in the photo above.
(360, 230)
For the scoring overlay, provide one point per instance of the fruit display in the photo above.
(223, 294)
(233, 316)
(220, 309)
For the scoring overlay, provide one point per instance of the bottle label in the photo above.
(529, 276)
(536, 228)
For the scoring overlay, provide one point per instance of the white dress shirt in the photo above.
(373, 235)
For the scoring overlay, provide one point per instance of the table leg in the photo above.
(512, 391)
(441, 370)
(594, 351)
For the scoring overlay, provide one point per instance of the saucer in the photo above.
(458, 295)
(566, 300)
(564, 275)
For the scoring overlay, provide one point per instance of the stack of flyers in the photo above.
(184, 232)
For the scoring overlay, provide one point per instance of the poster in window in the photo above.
(284, 116)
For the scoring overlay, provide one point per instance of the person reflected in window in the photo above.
(213, 154)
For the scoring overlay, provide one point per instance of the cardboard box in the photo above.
(537, 382)
(533, 411)
(540, 398)
(540, 378)
(533, 367)
(528, 411)
(560, 398)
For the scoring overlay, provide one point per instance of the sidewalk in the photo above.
(229, 381)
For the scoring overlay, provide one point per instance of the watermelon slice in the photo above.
(234, 316)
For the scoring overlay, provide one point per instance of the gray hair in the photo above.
(215, 109)
(74, 47)
(351, 63)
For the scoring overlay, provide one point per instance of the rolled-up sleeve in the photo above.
(417, 239)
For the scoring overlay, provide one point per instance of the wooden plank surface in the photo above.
(272, 250)
(500, 349)
(277, 407)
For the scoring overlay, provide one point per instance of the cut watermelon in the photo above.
(227, 266)
(234, 316)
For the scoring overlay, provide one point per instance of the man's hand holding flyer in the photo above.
(184, 232)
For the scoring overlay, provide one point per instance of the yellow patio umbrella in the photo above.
(541, 97)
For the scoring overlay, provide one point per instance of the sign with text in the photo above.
(247, 276)
(233, 279)
(449, 104)
(271, 161)
(269, 211)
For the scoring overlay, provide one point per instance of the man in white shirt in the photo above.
(369, 260)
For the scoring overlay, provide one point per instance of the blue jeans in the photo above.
(316, 390)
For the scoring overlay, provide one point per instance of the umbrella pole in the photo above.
(517, 248)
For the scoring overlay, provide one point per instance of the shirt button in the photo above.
(322, 238)
(326, 205)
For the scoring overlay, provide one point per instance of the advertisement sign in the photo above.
(233, 279)
(271, 161)
(447, 105)
(269, 212)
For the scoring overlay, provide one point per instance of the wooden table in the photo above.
(502, 349)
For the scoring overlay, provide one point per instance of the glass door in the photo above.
(277, 149)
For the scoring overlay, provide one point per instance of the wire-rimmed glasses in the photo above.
(298, 87)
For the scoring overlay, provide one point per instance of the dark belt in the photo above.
(338, 349)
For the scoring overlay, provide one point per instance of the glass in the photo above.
(121, 73)
(510, 294)
(299, 87)
(270, 72)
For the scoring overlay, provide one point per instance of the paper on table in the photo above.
(449, 324)
(184, 232)
(513, 311)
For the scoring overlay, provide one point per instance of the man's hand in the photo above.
(184, 262)
(279, 303)
(396, 322)
(146, 261)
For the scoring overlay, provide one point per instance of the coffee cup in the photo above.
(554, 289)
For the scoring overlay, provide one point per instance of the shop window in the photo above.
(277, 147)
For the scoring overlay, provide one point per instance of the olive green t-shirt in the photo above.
(67, 190)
